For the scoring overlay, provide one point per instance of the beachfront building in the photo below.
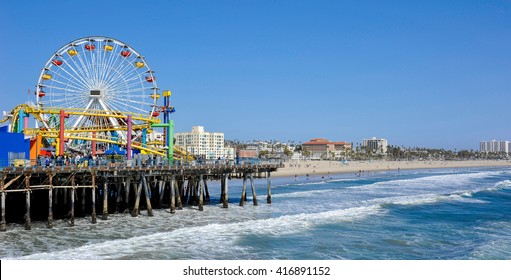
(210, 145)
(378, 146)
(320, 148)
(494, 146)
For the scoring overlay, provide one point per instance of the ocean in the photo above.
(439, 214)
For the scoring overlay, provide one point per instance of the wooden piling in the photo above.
(28, 221)
(104, 216)
(3, 225)
(72, 217)
(201, 195)
(244, 190)
(187, 190)
(179, 191)
(206, 190)
(94, 218)
(226, 191)
(253, 189)
(50, 203)
(161, 189)
(172, 195)
(72, 211)
(84, 190)
(127, 187)
(268, 184)
(118, 197)
(135, 211)
(147, 197)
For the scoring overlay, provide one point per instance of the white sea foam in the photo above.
(506, 184)
(305, 194)
(207, 241)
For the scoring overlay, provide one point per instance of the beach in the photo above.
(315, 167)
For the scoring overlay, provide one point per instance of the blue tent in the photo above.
(115, 150)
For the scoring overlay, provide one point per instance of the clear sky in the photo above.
(418, 73)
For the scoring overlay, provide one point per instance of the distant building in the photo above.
(247, 153)
(323, 148)
(494, 146)
(208, 144)
(378, 146)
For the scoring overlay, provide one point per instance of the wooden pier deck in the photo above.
(63, 192)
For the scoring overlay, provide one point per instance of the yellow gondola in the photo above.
(153, 95)
(139, 64)
(108, 48)
(72, 52)
(46, 76)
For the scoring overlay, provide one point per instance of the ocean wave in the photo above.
(305, 194)
(219, 238)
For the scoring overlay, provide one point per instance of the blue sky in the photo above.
(418, 73)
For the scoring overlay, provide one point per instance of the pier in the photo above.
(65, 192)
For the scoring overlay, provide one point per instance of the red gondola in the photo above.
(149, 79)
(125, 53)
(41, 93)
(156, 113)
(56, 62)
(90, 47)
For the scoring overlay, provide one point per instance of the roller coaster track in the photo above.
(83, 133)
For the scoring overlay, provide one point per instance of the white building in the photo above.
(208, 144)
(377, 145)
(494, 146)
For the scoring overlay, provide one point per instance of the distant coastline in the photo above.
(313, 168)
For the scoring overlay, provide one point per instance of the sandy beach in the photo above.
(312, 168)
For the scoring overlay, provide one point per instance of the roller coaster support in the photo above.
(93, 144)
(61, 132)
(22, 121)
(144, 137)
(170, 135)
(128, 140)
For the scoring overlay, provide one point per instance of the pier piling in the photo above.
(179, 193)
(28, 221)
(244, 190)
(94, 218)
(3, 225)
(72, 210)
(201, 193)
(268, 184)
(135, 211)
(49, 224)
(147, 197)
(172, 196)
(104, 216)
(127, 187)
(253, 189)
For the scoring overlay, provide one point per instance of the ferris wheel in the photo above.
(97, 74)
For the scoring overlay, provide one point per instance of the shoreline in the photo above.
(302, 168)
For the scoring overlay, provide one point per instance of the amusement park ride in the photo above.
(96, 94)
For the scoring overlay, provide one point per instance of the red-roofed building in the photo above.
(323, 148)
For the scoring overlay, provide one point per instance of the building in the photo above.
(325, 149)
(378, 146)
(494, 146)
(14, 148)
(208, 144)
